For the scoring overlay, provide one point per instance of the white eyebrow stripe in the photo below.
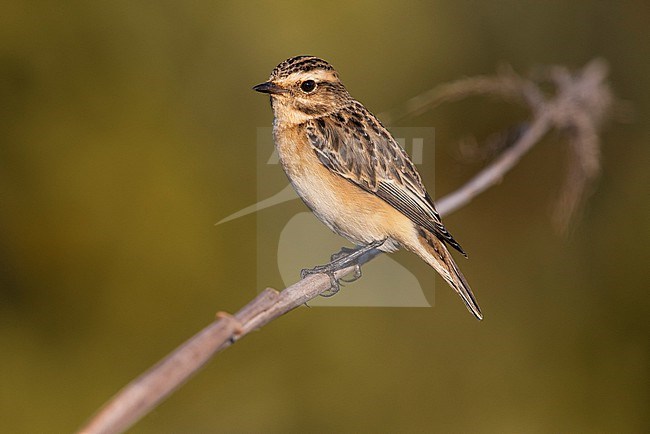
(317, 75)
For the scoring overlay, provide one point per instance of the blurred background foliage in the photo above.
(128, 128)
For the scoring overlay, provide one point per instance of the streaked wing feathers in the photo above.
(355, 145)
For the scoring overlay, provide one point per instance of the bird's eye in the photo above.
(308, 86)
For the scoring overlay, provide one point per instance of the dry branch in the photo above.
(578, 106)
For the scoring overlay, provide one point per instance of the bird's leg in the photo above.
(345, 251)
(340, 260)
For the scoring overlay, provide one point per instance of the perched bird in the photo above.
(350, 171)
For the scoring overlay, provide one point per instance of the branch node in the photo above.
(237, 325)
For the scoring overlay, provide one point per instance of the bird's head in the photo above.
(303, 88)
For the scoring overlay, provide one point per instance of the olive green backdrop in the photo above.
(128, 128)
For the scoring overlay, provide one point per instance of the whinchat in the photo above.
(352, 174)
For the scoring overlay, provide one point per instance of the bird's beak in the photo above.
(269, 87)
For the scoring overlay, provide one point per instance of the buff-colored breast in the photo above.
(344, 207)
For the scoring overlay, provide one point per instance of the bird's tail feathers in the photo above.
(435, 253)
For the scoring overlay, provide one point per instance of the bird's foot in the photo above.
(345, 258)
(328, 270)
(340, 256)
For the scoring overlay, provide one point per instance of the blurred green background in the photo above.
(128, 128)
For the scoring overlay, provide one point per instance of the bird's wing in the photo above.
(355, 145)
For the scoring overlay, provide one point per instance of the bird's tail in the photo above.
(435, 253)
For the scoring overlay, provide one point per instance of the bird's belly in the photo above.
(344, 207)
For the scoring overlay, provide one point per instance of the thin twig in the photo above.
(572, 108)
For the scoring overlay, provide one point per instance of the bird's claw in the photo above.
(355, 276)
(335, 285)
(345, 258)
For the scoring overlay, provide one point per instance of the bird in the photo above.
(352, 174)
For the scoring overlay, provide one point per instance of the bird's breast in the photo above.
(343, 206)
